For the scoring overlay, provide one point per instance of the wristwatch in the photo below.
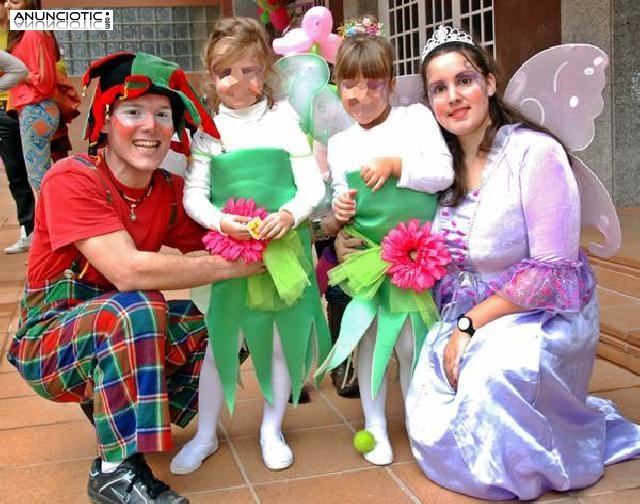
(465, 324)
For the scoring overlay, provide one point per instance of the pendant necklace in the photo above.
(134, 202)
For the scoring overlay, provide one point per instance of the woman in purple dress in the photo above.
(498, 406)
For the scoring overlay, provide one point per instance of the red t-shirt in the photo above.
(78, 202)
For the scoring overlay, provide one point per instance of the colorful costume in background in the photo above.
(264, 156)
(134, 354)
(520, 422)
(411, 133)
(33, 99)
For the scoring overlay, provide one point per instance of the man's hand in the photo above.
(235, 269)
(235, 226)
(346, 244)
(453, 352)
(344, 206)
(376, 173)
(276, 225)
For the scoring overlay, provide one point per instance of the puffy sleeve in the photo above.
(197, 189)
(430, 167)
(556, 277)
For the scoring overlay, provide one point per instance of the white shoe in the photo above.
(276, 453)
(22, 245)
(382, 454)
(191, 456)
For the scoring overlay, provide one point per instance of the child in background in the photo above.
(387, 141)
(263, 155)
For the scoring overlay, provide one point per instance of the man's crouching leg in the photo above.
(147, 362)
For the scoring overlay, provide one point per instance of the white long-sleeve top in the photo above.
(12, 71)
(254, 127)
(410, 133)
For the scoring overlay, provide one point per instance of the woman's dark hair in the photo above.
(499, 112)
(16, 35)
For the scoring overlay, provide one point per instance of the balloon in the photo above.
(315, 30)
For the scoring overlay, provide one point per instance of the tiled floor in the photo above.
(46, 448)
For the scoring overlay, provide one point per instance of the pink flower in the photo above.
(230, 248)
(417, 256)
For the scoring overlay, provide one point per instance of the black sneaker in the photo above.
(132, 482)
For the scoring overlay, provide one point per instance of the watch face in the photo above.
(464, 323)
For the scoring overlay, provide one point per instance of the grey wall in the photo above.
(614, 26)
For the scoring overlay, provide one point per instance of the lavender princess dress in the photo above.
(521, 422)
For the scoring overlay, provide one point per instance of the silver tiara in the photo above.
(444, 34)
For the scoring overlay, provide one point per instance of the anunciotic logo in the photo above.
(50, 19)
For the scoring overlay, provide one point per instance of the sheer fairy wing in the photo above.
(329, 116)
(597, 209)
(303, 76)
(408, 90)
(306, 85)
(561, 89)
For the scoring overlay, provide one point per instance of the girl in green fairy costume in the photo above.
(263, 156)
(372, 162)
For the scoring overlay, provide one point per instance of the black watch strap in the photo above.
(465, 324)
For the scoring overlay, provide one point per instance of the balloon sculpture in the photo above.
(314, 35)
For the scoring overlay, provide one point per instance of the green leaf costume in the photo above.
(251, 307)
(363, 277)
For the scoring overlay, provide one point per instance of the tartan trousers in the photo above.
(136, 355)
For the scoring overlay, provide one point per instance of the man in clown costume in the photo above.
(94, 327)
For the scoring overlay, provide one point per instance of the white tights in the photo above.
(374, 408)
(211, 397)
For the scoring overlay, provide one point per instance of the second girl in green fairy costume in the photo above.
(263, 158)
(372, 163)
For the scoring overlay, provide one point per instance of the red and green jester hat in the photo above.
(125, 75)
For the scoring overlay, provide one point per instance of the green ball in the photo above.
(364, 441)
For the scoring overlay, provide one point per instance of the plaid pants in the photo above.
(135, 354)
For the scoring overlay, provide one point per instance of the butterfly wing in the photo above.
(408, 90)
(597, 210)
(561, 89)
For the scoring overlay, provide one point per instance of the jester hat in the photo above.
(124, 75)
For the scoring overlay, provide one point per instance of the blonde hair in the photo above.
(242, 35)
(367, 56)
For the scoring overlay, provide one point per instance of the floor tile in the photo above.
(33, 410)
(248, 416)
(627, 401)
(50, 443)
(372, 485)
(626, 497)
(607, 375)
(317, 452)
(217, 472)
(426, 490)
(62, 482)
(13, 386)
(236, 496)
(617, 477)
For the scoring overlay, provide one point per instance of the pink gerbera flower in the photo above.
(230, 248)
(417, 256)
